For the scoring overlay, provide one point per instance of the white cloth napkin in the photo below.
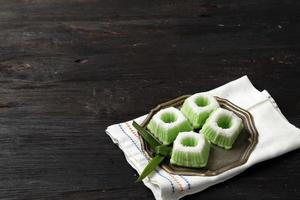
(276, 137)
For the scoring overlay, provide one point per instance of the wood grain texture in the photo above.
(68, 69)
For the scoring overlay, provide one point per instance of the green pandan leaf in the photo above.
(151, 166)
(146, 135)
(163, 150)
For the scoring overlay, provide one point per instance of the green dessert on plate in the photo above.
(167, 123)
(188, 135)
(190, 149)
(222, 128)
(198, 107)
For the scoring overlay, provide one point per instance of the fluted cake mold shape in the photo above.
(222, 128)
(167, 123)
(190, 149)
(198, 107)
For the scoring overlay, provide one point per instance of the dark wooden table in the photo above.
(68, 69)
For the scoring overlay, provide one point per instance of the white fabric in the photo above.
(276, 137)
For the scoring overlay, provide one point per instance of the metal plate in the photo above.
(220, 160)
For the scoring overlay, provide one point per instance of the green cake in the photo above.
(167, 123)
(222, 128)
(198, 107)
(190, 149)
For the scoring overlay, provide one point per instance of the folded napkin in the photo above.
(276, 137)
